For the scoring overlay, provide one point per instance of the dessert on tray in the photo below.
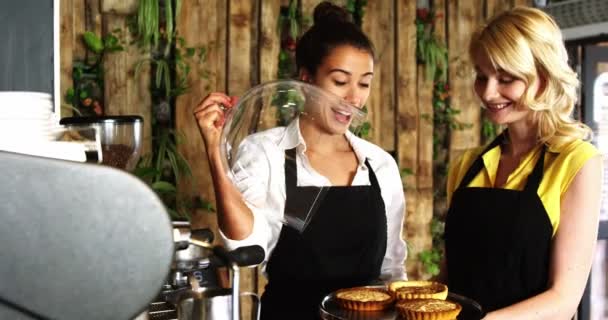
(415, 300)
(428, 309)
(364, 298)
(403, 289)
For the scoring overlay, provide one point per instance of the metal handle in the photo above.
(225, 255)
(256, 300)
(236, 283)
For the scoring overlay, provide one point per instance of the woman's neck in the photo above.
(520, 140)
(320, 141)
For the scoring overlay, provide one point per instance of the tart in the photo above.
(402, 290)
(428, 309)
(364, 298)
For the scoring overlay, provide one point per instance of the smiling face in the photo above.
(346, 72)
(500, 92)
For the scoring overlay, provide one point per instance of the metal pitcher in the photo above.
(207, 303)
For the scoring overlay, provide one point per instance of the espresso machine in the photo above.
(194, 289)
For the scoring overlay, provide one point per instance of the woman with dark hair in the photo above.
(355, 236)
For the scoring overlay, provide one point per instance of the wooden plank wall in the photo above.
(243, 45)
(125, 92)
(463, 18)
(407, 126)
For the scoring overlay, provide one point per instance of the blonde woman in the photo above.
(523, 218)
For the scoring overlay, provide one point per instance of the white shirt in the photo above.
(259, 174)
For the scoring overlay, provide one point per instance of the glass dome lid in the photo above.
(249, 148)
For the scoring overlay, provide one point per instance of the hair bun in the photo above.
(327, 12)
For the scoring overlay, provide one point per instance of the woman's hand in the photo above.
(209, 116)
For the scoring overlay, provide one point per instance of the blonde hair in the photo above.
(527, 43)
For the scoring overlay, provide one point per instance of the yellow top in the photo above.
(560, 168)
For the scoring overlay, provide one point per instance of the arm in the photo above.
(572, 253)
(235, 219)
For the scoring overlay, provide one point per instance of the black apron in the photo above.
(343, 246)
(498, 241)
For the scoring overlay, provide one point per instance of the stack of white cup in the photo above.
(27, 117)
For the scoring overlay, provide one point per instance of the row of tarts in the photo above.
(414, 300)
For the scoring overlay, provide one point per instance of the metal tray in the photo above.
(330, 310)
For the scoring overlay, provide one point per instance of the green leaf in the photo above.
(69, 95)
(161, 66)
(167, 81)
(293, 29)
(181, 41)
(190, 52)
(174, 165)
(145, 172)
(139, 65)
(92, 41)
(111, 42)
(163, 187)
(406, 172)
(363, 130)
(117, 48)
(202, 54)
(161, 153)
(174, 214)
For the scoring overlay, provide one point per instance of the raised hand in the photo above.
(210, 117)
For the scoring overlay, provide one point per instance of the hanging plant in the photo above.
(148, 14)
(170, 59)
(429, 49)
(85, 98)
(356, 8)
(432, 53)
(291, 23)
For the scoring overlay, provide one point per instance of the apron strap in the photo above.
(291, 172)
(478, 164)
(534, 178)
(373, 181)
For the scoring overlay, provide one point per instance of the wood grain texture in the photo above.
(125, 92)
(407, 107)
(115, 65)
(416, 230)
(242, 57)
(93, 19)
(464, 17)
(241, 51)
(494, 7)
(79, 27)
(123, 7)
(407, 114)
(269, 47)
(201, 24)
(206, 24)
(308, 7)
(424, 172)
(379, 25)
(527, 3)
(66, 47)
